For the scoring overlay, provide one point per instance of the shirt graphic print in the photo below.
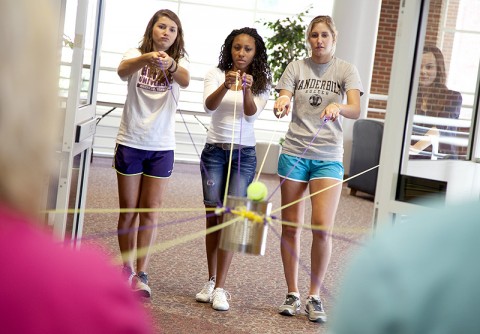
(148, 80)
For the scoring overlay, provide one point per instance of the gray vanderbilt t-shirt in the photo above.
(314, 86)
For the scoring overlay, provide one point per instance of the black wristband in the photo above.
(175, 69)
(225, 86)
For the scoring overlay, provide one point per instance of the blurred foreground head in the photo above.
(420, 276)
(28, 104)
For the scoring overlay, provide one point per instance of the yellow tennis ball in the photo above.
(257, 191)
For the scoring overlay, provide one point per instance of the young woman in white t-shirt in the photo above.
(235, 92)
(144, 154)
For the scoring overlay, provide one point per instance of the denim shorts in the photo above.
(133, 161)
(214, 169)
(304, 170)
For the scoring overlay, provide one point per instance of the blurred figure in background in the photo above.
(44, 287)
(436, 100)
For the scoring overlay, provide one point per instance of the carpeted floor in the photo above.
(256, 283)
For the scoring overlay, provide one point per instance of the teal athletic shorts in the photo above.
(303, 170)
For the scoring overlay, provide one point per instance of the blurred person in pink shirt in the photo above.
(44, 287)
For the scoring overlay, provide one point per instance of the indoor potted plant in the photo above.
(287, 42)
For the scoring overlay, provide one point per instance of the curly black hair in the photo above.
(259, 69)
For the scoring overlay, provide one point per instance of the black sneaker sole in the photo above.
(322, 319)
(288, 313)
(143, 293)
(202, 301)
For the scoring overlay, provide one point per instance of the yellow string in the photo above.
(140, 210)
(124, 210)
(322, 190)
(242, 214)
(268, 148)
(250, 215)
(323, 228)
(231, 144)
(141, 252)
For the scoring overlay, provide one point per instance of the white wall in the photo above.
(357, 25)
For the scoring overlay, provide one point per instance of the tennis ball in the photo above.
(257, 191)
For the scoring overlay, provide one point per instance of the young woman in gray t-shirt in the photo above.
(325, 89)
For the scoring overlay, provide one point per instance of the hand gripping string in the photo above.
(169, 86)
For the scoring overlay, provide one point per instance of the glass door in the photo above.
(81, 26)
(430, 152)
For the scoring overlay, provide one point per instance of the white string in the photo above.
(231, 144)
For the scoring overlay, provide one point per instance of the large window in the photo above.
(206, 23)
(447, 74)
(463, 66)
(67, 50)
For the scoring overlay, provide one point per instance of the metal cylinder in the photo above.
(245, 235)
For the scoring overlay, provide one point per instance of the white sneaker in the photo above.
(314, 309)
(205, 296)
(219, 299)
(291, 305)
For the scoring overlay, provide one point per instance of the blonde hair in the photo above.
(28, 104)
(331, 26)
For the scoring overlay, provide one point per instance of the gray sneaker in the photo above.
(314, 310)
(140, 285)
(290, 306)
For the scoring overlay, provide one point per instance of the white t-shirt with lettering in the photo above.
(148, 119)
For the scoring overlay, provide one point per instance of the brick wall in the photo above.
(386, 42)
(384, 53)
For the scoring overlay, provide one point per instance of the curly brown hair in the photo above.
(259, 69)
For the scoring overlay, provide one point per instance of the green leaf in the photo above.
(286, 43)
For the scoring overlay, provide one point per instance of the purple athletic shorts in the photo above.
(133, 161)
